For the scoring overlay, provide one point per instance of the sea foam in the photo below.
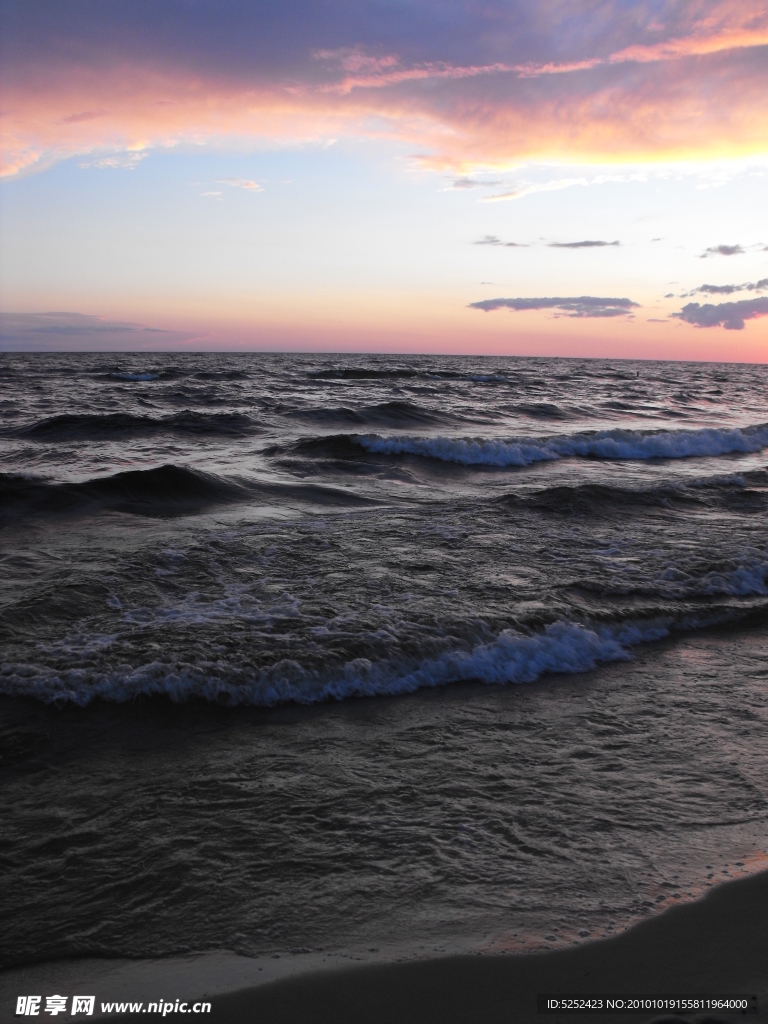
(601, 444)
(512, 657)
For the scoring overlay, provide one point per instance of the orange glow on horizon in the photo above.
(391, 324)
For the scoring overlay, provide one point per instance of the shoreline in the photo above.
(717, 945)
(714, 946)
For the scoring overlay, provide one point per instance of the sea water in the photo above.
(308, 652)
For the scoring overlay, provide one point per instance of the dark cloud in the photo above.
(35, 332)
(717, 289)
(477, 84)
(730, 315)
(247, 40)
(493, 240)
(577, 306)
(729, 289)
(589, 244)
(722, 250)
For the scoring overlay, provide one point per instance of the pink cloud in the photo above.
(615, 84)
(86, 115)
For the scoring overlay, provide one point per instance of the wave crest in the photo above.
(563, 647)
(602, 444)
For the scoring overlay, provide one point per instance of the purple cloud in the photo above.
(730, 315)
(465, 84)
(580, 245)
(42, 332)
(577, 306)
(722, 250)
(493, 240)
(729, 289)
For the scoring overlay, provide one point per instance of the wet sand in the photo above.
(716, 946)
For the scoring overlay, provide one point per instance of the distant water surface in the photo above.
(207, 558)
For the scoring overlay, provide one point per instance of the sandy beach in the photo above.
(715, 946)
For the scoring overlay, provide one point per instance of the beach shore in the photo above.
(715, 946)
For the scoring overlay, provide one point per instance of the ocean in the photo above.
(375, 655)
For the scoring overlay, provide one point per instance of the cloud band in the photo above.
(730, 315)
(575, 306)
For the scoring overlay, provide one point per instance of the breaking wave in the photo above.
(563, 647)
(601, 444)
(512, 657)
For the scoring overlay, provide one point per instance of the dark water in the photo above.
(206, 559)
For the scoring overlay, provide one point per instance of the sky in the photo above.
(528, 177)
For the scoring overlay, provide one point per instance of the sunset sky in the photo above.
(530, 177)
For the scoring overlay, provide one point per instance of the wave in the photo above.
(541, 410)
(563, 647)
(222, 375)
(601, 444)
(512, 657)
(676, 601)
(731, 492)
(337, 447)
(163, 491)
(134, 376)
(86, 427)
(364, 373)
(163, 374)
(160, 491)
(406, 373)
(394, 414)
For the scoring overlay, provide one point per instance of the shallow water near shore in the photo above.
(353, 654)
(465, 818)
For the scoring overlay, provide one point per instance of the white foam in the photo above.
(602, 444)
(743, 581)
(510, 658)
(452, 449)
